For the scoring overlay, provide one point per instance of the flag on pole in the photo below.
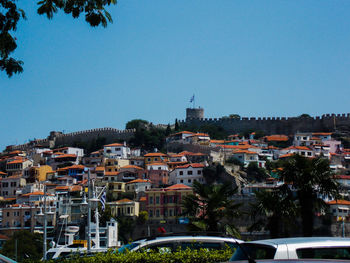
(103, 200)
(192, 98)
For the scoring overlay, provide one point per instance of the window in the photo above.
(119, 187)
(117, 149)
(324, 253)
(148, 159)
(189, 180)
(151, 200)
(159, 168)
(132, 162)
(189, 172)
(165, 212)
(181, 173)
(150, 213)
(156, 159)
(170, 212)
(181, 181)
(309, 153)
(157, 199)
(199, 172)
(128, 209)
(157, 213)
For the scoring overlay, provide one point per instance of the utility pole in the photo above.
(45, 225)
(89, 216)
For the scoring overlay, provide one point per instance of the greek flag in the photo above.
(192, 98)
(103, 200)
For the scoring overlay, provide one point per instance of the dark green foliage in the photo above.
(274, 210)
(211, 208)
(181, 256)
(105, 215)
(234, 161)
(142, 218)
(310, 177)
(255, 173)
(304, 115)
(168, 130)
(146, 135)
(10, 14)
(91, 145)
(177, 128)
(214, 173)
(136, 124)
(126, 226)
(29, 246)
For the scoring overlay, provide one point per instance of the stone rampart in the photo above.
(110, 134)
(277, 125)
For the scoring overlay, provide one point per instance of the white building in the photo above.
(116, 150)
(187, 174)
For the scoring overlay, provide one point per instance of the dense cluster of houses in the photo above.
(136, 181)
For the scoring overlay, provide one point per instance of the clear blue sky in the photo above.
(253, 58)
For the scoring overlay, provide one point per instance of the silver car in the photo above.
(173, 243)
(294, 248)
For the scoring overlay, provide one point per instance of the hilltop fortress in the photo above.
(195, 118)
(270, 125)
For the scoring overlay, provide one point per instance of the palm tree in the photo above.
(211, 208)
(311, 178)
(274, 210)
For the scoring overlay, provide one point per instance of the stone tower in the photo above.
(194, 113)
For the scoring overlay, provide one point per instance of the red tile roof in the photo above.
(154, 154)
(339, 202)
(193, 165)
(138, 181)
(277, 138)
(132, 167)
(178, 187)
(111, 173)
(114, 145)
(66, 156)
(244, 151)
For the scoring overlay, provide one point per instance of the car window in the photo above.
(49, 255)
(128, 247)
(199, 245)
(324, 253)
(255, 251)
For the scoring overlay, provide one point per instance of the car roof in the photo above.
(170, 238)
(301, 240)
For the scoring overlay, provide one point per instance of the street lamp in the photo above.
(86, 206)
(42, 218)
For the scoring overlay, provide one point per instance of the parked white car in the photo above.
(294, 248)
(172, 243)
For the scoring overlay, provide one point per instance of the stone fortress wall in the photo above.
(58, 138)
(275, 125)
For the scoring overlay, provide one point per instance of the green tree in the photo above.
(29, 246)
(137, 124)
(274, 210)
(255, 173)
(142, 218)
(126, 226)
(211, 208)
(310, 177)
(10, 14)
(168, 130)
(177, 127)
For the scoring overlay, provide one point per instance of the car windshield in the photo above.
(255, 251)
(49, 255)
(128, 247)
